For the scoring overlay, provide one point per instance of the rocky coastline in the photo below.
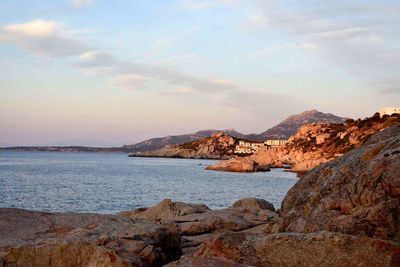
(312, 145)
(219, 146)
(342, 213)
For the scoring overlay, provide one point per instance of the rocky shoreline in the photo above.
(312, 145)
(343, 213)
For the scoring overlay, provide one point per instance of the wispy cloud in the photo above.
(354, 44)
(42, 37)
(50, 38)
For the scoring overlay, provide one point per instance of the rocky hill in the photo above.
(283, 130)
(160, 142)
(218, 146)
(313, 145)
(289, 126)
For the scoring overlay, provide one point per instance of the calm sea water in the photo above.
(108, 183)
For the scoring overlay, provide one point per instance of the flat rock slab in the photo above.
(205, 262)
(29, 238)
(297, 249)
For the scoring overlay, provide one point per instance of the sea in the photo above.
(111, 182)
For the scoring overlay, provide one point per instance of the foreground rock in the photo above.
(165, 210)
(198, 224)
(296, 249)
(358, 193)
(29, 238)
(205, 262)
(255, 204)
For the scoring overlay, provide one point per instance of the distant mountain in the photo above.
(157, 143)
(289, 126)
(283, 130)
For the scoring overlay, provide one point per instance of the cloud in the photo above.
(80, 3)
(42, 37)
(106, 64)
(37, 28)
(129, 81)
(341, 37)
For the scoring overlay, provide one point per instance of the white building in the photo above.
(389, 111)
(248, 147)
(276, 142)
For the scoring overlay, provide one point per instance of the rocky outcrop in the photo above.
(255, 204)
(164, 211)
(205, 262)
(197, 223)
(313, 145)
(234, 165)
(29, 238)
(358, 193)
(299, 249)
(218, 146)
(160, 142)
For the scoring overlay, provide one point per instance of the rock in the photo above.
(219, 220)
(30, 238)
(319, 139)
(253, 204)
(359, 193)
(165, 210)
(234, 165)
(262, 168)
(205, 262)
(297, 249)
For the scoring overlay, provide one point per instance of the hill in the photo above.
(160, 142)
(291, 125)
(314, 144)
(283, 130)
(218, 146)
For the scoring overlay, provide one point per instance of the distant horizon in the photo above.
(102, 143)
(126, 71)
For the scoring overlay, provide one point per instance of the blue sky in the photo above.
(124, 71)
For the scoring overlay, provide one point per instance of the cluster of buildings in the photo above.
(249, 147)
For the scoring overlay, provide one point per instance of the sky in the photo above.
(101, 72)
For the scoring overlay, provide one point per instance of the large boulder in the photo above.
(165, 210)
(29, 238)
(299, 249)
(220, 220)
(244, 164)
(255, 204)
(358, 193)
